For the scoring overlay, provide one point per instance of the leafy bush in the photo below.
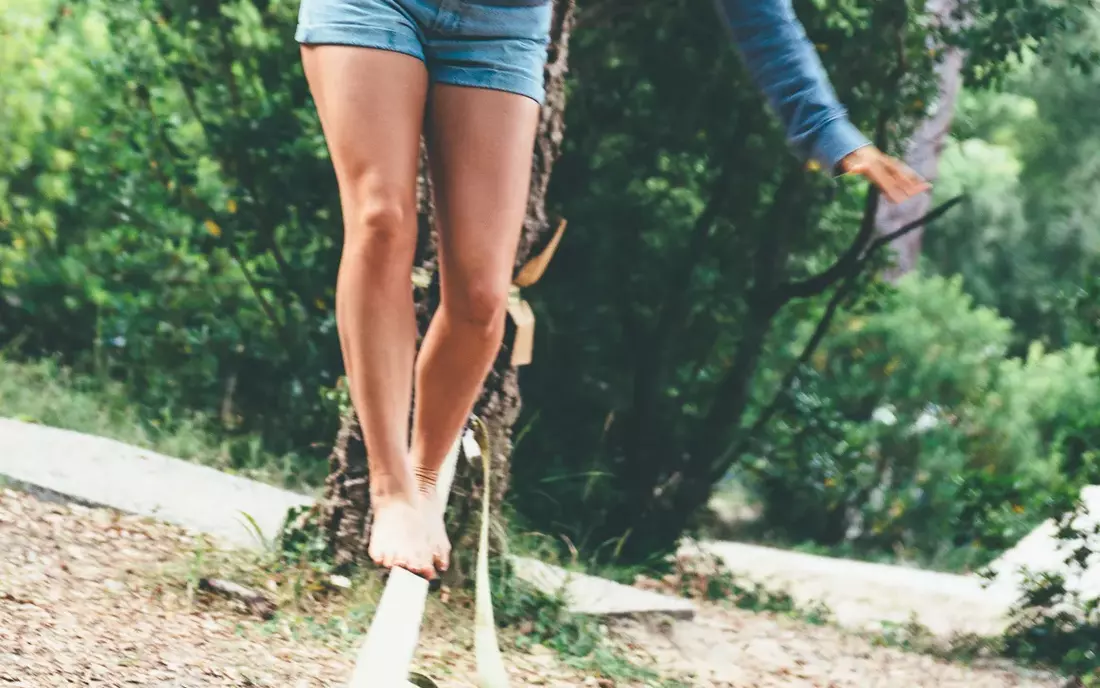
(1026, 153)
(164, 200)
(911, 430)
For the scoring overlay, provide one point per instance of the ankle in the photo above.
(425, 480)
(385, 487)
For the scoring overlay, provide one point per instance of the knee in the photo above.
(481, 302)
(381, 230)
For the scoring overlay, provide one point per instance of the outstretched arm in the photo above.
(785, 65)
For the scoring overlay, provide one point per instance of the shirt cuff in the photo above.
(837, 140)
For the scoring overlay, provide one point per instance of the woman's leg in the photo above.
(480, 146)
(371, 105)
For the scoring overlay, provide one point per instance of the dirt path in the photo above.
(81, 605)
(740, 648)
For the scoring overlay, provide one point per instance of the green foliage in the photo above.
(911, 431)
(998, 34)
(542, 619)
(53, 395)
(1026, 155)
(687, 219)
(678, 287)
(162, 203)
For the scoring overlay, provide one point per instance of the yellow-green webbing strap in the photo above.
(490, 664)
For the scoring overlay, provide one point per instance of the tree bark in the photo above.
(923, 150)
(343, 514)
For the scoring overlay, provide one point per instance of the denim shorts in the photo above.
(494, 44)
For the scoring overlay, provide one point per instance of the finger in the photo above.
(916, 185)
(877, 171)
(886, 183)
(907, 181)
(920, 183)
(911, 182)
(874, 171)
(421, 565)
(899, 186)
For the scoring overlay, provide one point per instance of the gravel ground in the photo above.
(87, 598)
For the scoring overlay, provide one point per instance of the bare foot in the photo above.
(397, 536)
(433, 509)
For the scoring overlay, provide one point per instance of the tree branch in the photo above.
(822, 328)
(812, 286)
(859, 250)
(926, 219)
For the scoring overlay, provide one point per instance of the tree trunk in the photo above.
(343, 514)
(923, 151)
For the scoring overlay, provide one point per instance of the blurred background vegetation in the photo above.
(169, 232)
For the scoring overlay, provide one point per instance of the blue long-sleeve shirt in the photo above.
(785, 65)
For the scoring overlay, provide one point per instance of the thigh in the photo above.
(371, 105)
(480, 144)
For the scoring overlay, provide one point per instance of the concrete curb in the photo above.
(102, 472)
(62, 465)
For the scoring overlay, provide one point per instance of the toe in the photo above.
(441, 559)
(424, 566)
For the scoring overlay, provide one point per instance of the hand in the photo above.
(892, 177)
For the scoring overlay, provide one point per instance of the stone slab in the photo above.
(101, 472)
(1042, 552)
(863, 595)
(597, 596)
